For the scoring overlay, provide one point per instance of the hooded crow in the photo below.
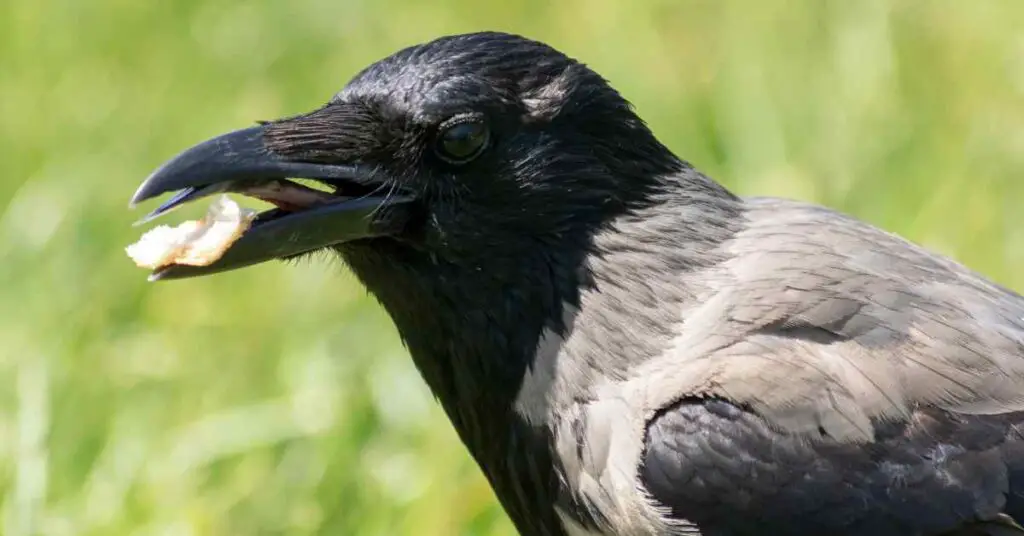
(624, 346)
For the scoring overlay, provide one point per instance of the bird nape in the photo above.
(623, 345)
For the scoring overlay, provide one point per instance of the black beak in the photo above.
(363, 206)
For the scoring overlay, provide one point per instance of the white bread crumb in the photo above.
(194, 243)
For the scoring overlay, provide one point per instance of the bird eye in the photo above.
(463, 141)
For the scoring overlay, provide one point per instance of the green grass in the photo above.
(277, 399)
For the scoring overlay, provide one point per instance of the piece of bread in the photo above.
(194, 243)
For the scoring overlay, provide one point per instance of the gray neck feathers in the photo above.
(502, 353)
(642, 273)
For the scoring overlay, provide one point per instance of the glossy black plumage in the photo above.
(725, 468)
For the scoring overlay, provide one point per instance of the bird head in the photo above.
(463, 150)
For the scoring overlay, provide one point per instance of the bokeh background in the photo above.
(277, 399)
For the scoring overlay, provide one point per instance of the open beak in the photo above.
(307, 219)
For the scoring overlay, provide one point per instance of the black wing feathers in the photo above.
(723, 467)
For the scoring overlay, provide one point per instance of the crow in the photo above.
(624, 346)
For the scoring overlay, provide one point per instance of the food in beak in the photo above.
(194, 243)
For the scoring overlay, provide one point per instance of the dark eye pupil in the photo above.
(463, 141)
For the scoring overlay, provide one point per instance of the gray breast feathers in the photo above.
(821, 326)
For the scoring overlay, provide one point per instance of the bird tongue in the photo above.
(287, 195)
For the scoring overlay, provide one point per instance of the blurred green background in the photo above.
(277, 399)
